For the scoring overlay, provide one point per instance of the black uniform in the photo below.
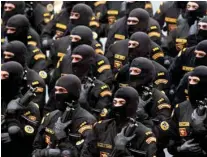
(119, 54)
(189, 122)
(31, 78)
(39, 14)
(80, 125)
(168, 13)
(19, 124)
(64, 45)
(111, 136)
(177, 39)
(92, 65)
(61, 25)
(36, 60)
(120, 30)
(186, 61)
(33, 37)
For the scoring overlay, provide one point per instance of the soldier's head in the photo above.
(201, 53)
(83, 57)
(81, 14)
(202, 28)
(12, 8)
(17, 28)
(11, 79)
(195, 10)
(141, 72)
(125, 103)
(67, 90)
(197, 83)
(81, 35)
(138, 21)
(139, 45)
(15, 51)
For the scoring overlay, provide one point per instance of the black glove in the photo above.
(121, 140)
(46, 153)
(188, 147)
(5, 138)
(46, 43)
(14, 106)
(60, 127)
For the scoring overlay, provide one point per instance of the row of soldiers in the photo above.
(140, 93)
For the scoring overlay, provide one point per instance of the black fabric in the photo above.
(181, 4)
(202, 46)
(19, 9)
(143, 17)
(129, 109)
(133, 5)
(73, 85)
(82, 67)
(86, 36)
(147, 74)
(144, 47)
(194, 15)
(10, 87)
(85, 12)
(198, 91)
(19, 50)
(21, 23)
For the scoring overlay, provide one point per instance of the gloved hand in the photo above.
(46, 43)
(46, 152)
(121, 140)
(60, 127)
(188, 147)
(5, 138)
(14, 106)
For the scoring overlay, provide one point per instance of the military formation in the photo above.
(65, 93)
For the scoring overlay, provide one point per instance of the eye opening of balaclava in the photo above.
(73, 86)
(129, 107)
(144, 46)
(19, 51)
(21, 23)
(19, 9)
(193, 13)
(198, 91)
(202, 28)
(201, 53)
(143, 20)
(85, 33)
(83, 67)
(145, 76)
(11, 86)
(85, 14)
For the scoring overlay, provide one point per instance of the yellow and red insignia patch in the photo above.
(33, 118)
(104, 154)
(164, 125)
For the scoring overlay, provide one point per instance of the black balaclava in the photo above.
(144, 47)
(73, 85)
(133, 5)
(198, 91)
(83, 67)
(10, 87)
(181, 4)
(202, 46)
(146, 76)
(85, 12)
(19, 9)
(21, 23)
(202, 34)
(86, 36)
(194, 15)
(19, 50)
(143, 17)
(131, 96)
